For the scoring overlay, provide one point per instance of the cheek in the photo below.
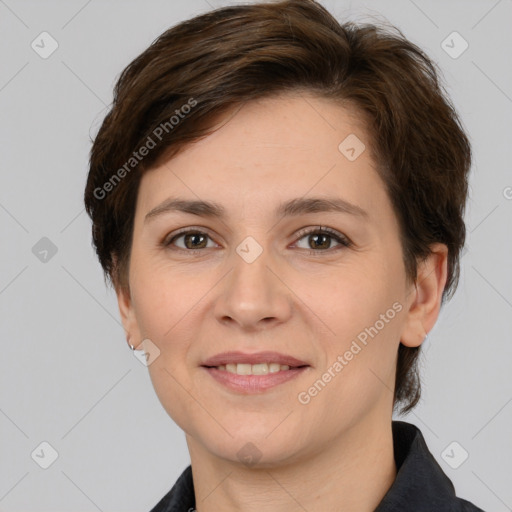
(364, 313)
(355, 299)
(170, 385)
(167, 308)
(163, 297)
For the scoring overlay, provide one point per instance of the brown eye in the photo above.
(321, 239)
(191, 240)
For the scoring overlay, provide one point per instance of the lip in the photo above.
(254, 384)
(235, 357)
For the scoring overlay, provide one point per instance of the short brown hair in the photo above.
(235, 54)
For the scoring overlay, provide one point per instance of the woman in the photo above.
(278, 201)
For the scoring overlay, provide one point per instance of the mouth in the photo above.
(253, 373)
(255, 369)
(266, 361)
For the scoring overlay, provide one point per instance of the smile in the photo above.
(253, 369)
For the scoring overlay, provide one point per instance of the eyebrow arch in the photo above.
(294, 207)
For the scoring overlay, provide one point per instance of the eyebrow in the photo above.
(293, 207)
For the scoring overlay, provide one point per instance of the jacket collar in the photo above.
(420, 483)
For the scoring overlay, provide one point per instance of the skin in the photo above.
(335, 452)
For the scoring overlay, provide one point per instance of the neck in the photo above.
(352, 473)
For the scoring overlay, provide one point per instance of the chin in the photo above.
(254, 447)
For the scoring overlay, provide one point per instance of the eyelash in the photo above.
(338, 237)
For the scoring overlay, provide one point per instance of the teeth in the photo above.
(276, 367)
(253, 369)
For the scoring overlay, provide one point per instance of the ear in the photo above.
(426, 296)
(127, 312)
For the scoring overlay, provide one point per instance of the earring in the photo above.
(129, 343)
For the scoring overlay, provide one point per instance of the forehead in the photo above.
(283, 145)
(289, 122)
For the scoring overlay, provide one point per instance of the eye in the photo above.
(319, 239)
(192, 240)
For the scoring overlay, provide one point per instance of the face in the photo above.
(325, 286)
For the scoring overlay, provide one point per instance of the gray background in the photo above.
(66, 374)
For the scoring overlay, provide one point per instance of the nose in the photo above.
(253, 295)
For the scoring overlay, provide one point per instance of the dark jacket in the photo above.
(420, 484)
